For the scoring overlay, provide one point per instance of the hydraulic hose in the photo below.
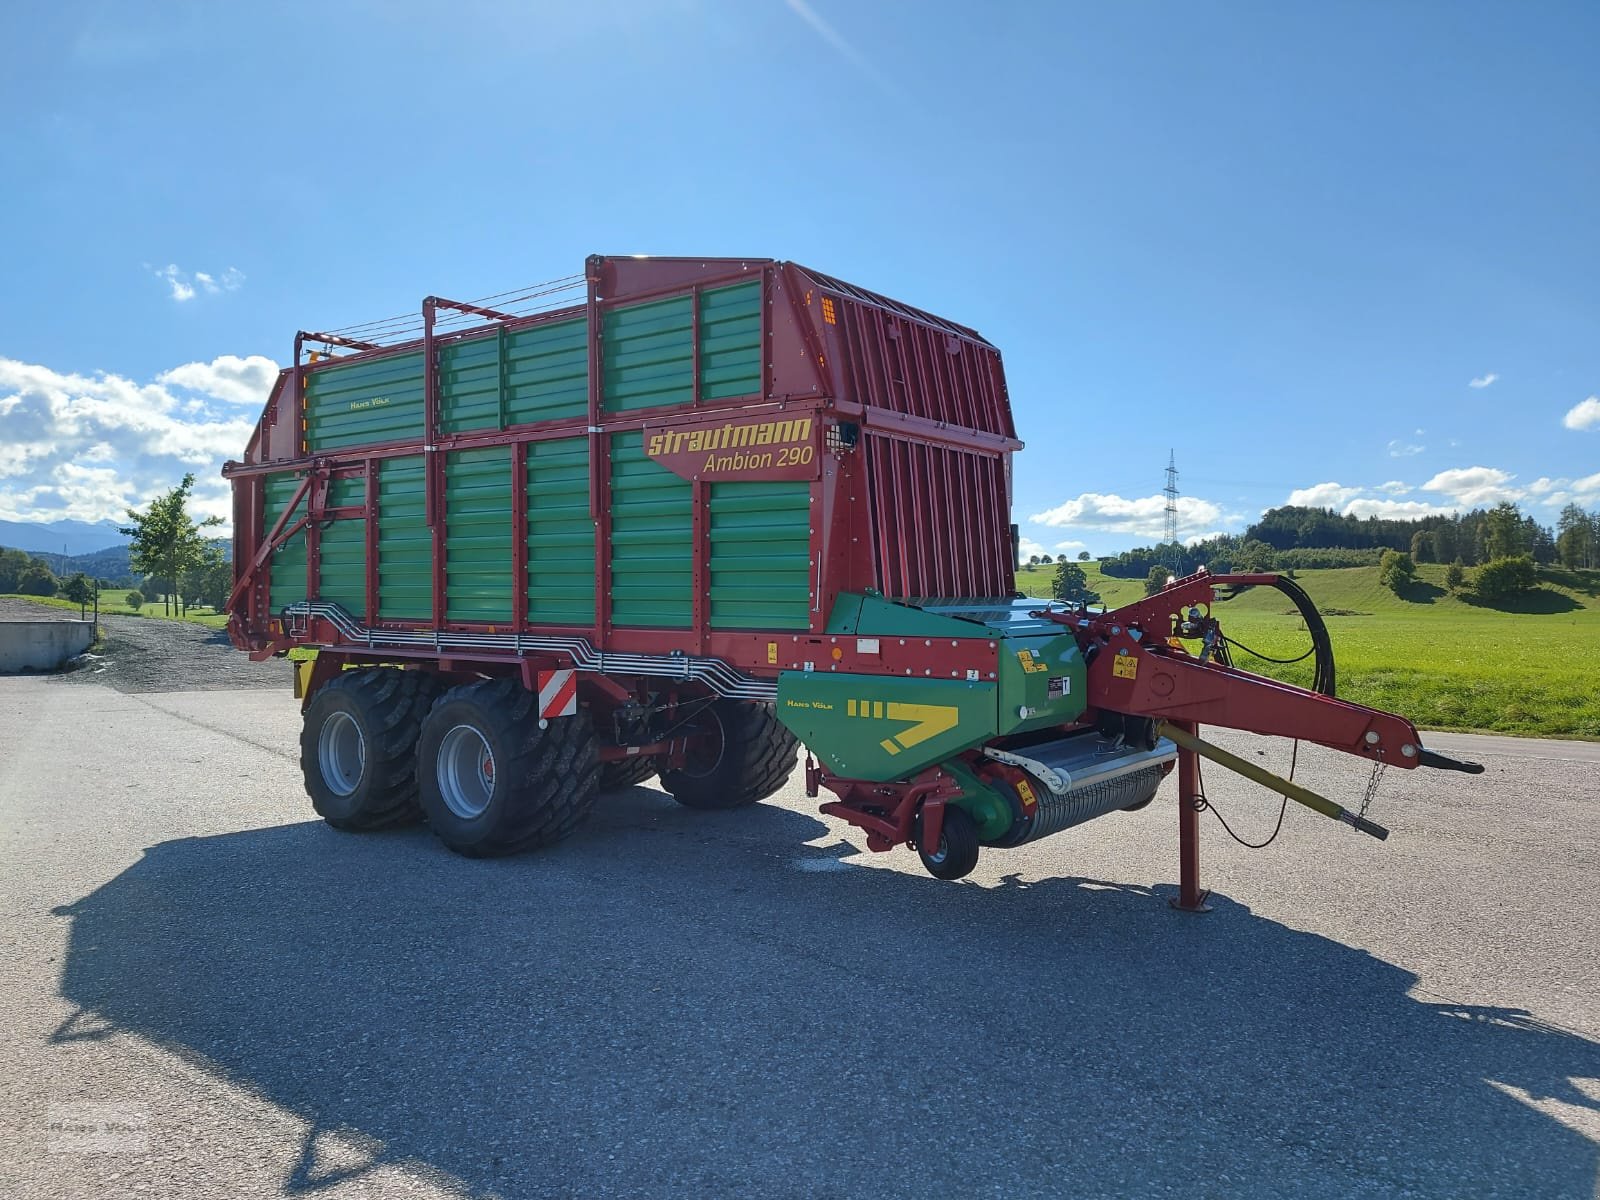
(1323, 676)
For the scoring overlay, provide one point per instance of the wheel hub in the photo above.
(465, 772)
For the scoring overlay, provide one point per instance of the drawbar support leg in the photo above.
(1190, 897)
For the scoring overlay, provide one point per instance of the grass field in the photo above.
(111, 605)
(1444, 661)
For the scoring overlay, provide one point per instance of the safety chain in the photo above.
(1378, 768)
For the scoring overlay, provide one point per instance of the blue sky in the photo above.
(1338, 253)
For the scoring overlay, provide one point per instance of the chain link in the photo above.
(1378, 768)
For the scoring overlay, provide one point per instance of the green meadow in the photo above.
(1528, 666)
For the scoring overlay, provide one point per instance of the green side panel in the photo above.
(730, 341)
(652, 539)
(873, 616)
(286, 578)
(560, 533)
(405, 543)
(342, 550)
(1044, 675)
(469, 385)
(477, 535)
(761, 555)
(884, 727)
(649, 354)
(547, 372)
(376, 400)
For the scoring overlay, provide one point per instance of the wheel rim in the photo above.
(341, 753)
(465, 772)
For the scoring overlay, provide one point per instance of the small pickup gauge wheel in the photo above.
(357, 747)
(492, 782)
(741, 753)
(957, 851)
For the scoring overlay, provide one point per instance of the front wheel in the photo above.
(492, 782)
(741, 754)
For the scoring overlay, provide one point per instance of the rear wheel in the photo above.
(492, 782)
(741, 754)
(357, 746)
(619, 773)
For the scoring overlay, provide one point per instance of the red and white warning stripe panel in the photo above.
(558, 694)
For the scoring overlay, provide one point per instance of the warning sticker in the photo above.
(1025, 791)
(1125, 666)
(1029, 663)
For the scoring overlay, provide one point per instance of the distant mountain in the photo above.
(53, 538)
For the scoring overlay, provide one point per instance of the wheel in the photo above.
(744, 755)
(958, 845)
(357, 747)
(619, 773)
(492, 782)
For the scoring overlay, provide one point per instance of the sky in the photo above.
(1342, 255)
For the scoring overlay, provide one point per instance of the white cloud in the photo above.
(1399, 449)
(227, 377)
(1583, 415)
(88, 446)
(1027, 548)
(1196, 538)
(1483, 381)
(1322, 495)
(1142, 517)
(1474, 487)
(1394, 487)
(1404, 510)
(185, 286)
(1070, 547)
(1544, 485)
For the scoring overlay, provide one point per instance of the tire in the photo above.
(491, 782)
(958, 845)
(620, 773)
(358, 746)
(750, 755)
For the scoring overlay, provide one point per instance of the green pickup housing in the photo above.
(883, 727)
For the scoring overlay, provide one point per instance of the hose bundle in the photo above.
(1323, 679)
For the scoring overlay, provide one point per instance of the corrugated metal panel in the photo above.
(730, 341)
(477, 535)
(649, 354)
(342, 549)
(547, 372)
(913, 368)
(560, 533)
(364, 403)
(405, 543)
(469, 385)
(652, 539)
(940, 521)
(286, 579)
(760, 555)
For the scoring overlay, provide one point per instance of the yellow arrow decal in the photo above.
(930, 720)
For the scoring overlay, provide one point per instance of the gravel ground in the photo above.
(147, 654)
(746, 1004)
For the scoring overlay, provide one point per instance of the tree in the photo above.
(1575, 537)
(1083, 556)
(1072, 585)
(1033, 560)
(1422, 546)
(1503, 532)
(1455, 576)
(134, 600)
(166, 540)
(1396, 571)
(12, 564)
(1502, 577)
(1061, 558)
(37, 580)
(210, 581)
(1156, 580)
(78, 589)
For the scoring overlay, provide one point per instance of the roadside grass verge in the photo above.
(111, 605)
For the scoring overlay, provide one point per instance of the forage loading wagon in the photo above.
(673, 516)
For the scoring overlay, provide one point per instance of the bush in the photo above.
(1156, 580)
(1396, 571)
(78, 589)
(134, 600)
(1455, 576)
(1502, 577)
(37, 580)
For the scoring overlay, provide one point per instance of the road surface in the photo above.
(209, 993)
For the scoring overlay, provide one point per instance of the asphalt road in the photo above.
(207, 993)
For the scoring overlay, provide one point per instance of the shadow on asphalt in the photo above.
(697, 1004)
